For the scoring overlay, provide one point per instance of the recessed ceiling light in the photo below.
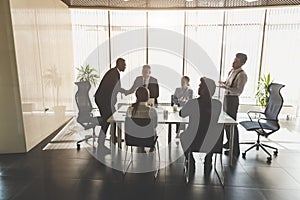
(189, 0)
(125, 0)
(250, 0)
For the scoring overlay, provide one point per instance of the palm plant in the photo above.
(54, 80)
(86, 73)
(262, 94)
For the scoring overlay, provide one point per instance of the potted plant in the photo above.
(54, 81)
(86, 77)
(86, 73)
(262, 94)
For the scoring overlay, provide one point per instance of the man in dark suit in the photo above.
(147, 81)
(106, 95)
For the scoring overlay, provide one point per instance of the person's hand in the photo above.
(222, 85)
(126, 92)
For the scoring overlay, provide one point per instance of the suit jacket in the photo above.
(106, 94)
(152, 86)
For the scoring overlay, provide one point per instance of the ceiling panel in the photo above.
(161, 4)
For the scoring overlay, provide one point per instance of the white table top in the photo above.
(173, 117)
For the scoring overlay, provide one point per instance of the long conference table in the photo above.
(172, 117)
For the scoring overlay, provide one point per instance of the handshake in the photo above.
(126, 92)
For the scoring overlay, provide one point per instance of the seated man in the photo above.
(146, 81)
(199, 112)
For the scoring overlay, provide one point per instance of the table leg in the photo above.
(112, 133)
(169, 133)
(119, 131)
(231, 144)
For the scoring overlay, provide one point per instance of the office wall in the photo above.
(44, 53)
(11, 122)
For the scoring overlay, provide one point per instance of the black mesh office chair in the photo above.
(267, 125)
(85, 117)
(140, 132)
(212, 142)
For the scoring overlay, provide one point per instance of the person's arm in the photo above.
(190, 95)
(153, 116)
(186, 109)
(153, 87)
(133, 87)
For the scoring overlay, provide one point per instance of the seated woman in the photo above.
(181, 97)
(184, 93)
(141, 109)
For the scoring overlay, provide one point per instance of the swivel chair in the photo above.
(85, 117)
(267, 125)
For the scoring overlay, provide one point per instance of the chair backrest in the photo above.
(275, 101)
(213, 139)
(140, 132)
(84, 106)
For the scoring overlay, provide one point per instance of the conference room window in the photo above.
(90, 41)
(243, 33)
(128, 40)
(203, 34)
(281, 51)
(166, 43)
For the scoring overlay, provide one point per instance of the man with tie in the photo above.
(234, 86)
(146, 81)
(106, 95)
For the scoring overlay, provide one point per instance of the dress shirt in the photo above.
(235, 82)
(146, 81)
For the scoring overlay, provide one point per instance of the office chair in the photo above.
(85, 117)
(212, 142)
(267, 125)
(140, 132)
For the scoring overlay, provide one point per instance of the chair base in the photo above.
(258, 145)
(126, 166)
(187, 169)
(87, 138)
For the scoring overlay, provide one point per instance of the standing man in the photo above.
(106, 95)
(146, 81)
(234, 86)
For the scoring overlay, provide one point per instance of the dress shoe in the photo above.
(226, 145)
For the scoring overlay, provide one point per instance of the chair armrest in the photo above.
(265, 119)
(248, 113)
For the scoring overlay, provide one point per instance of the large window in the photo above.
(166, 43)
(128, 40)
(281, 51)
(194, 43)
(243, 33)
(203, 45)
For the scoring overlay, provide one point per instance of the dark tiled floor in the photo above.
(72, 174)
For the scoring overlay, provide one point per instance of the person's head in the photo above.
(120, 64)
(207, 87)
(142, 94)
(239, 61)
(185, 82)
(146, 71)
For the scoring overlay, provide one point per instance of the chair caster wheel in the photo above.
(275, 153)
(257, 148)
(269, 159)
(78, 146)
(244, 155)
